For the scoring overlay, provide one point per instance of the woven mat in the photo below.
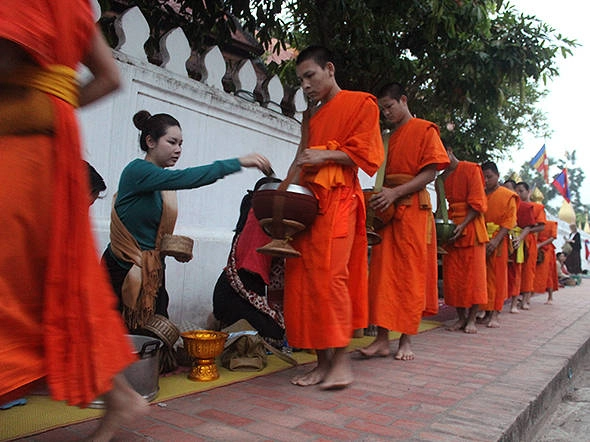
(43, 414)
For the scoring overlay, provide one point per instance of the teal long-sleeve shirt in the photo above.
(139, 201)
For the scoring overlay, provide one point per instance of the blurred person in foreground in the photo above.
(59, 321)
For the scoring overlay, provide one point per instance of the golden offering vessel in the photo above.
(203, 346)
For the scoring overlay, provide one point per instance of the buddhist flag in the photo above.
(541, 163)
(561, 184)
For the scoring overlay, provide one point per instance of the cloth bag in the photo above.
(246, 350)
(567, 248)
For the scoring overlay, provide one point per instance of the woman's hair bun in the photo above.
(140, 119)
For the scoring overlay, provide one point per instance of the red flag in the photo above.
(561, 184)
(587, 247)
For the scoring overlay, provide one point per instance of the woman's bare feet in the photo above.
(404, 351)
(123, 405)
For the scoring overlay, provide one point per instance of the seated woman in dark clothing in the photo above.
(249, 286)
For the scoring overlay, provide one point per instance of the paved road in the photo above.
(571, 421)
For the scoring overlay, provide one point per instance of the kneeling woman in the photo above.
(145, 210)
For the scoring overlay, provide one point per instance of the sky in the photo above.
(568, 101)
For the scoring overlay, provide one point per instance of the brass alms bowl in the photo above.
(444, 232)
(203, 346)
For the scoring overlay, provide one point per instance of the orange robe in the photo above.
(530, 262)
(58, 316)
(402, 274)
(464, 265)
(502, 209)
(525, 217)
(326, 288)
(544, 278)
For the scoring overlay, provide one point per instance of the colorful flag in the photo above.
(561, 184)
(541, 163)
(586, 243)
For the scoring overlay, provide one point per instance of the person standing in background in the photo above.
(573, 259)
(464, 265)
(403, 269)
(500, 219)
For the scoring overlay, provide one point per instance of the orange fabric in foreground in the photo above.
(65, 324)
(464, 267)
(402, 274)
(326, 289)
(502, 208)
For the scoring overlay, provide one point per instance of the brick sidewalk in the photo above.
(495, 385)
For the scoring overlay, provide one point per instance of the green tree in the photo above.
(475, 67)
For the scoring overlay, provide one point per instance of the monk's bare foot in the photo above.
(494, 320)
(371, 330)
(313, 377)
(379, 348)
(526, 306)
(340, 374)
(459, 325)
(404, 351)
(493, 324)
(123, 406)
(514, 309)
(470, 328)
(549, 302)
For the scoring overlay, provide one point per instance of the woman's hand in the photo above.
(257, 160)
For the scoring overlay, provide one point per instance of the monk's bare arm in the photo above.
(538, 228)
(318, 157)
(546, 242)
(389, 195)
(523, 234)
(471, 215)
(496, 240)
(102, 66)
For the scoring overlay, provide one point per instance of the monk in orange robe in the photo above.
(58, 317)
(530, 261)
(525, 220)
(546, 271)
(402, 275)
(500, 219)
(325, 296)
(464, 265)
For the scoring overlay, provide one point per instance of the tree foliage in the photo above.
(475, 67)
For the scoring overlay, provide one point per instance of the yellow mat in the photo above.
(43, 414)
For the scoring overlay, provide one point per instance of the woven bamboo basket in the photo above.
(178, 246)
(164, 329)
